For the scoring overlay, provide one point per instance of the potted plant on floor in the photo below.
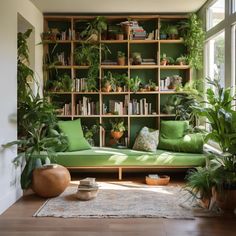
(221, 118)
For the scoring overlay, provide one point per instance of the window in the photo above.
(216, 58)
(215, 13)
(233, 6)
(233, 61)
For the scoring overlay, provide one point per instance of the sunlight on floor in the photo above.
(129, 185)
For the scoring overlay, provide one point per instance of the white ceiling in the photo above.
(118, 6)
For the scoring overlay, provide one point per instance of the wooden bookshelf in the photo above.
(153, 48)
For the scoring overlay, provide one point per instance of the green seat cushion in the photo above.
(173, 129)
(191, 143)
(109, 157)
(73, 130)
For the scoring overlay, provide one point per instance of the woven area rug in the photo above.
(121, 200)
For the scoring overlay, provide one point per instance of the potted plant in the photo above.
(94, 29)
(200, 183)
(109, 82)
(120, 58)
(117, 129)
(221, 117)
(163, 31)
(89, 133)
(134, 84)
(182, 60)
(119, 34)
(173, 32)
(164, 60)
(136, 58)
(121, 81)
(153, 86)
(41, 138)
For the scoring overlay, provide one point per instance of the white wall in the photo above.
(10, 189)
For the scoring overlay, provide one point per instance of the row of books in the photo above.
(65, 110)
(141, 107)
(80, 84)
(87, 107)
(164, 83)
(62, 60)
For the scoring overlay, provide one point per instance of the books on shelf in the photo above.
(141, 107)
(65, 110)
(164, 83)
(86, 107)
(80, 84)
(108, 62)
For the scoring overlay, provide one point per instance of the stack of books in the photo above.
(88, 184)
(148, 61)
(137, 32)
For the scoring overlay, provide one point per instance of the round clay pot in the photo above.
(118, 89)
(119, 37)
(50, 181)
(121, 61)
(116, 134)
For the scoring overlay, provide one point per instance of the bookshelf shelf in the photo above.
(137, 109)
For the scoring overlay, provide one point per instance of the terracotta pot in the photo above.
(121, 61)
(50, 181)
(116, 134)
(164, 62)
(118, 89)
(225, 200)
(107, 88)
(119, 37)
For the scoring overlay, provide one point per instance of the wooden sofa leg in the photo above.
(120, 173)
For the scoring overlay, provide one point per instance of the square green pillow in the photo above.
(190, 143)
(73, 130)
(147, 140)
(172, 129)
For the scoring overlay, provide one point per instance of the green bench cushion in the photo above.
(127, 157)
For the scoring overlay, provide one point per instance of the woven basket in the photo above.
(163, 180)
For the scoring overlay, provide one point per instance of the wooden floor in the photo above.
(18, 220)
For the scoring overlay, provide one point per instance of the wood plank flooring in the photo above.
(18, 220)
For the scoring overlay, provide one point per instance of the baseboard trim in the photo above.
(10, 198)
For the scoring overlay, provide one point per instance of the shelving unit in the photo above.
(154, 47)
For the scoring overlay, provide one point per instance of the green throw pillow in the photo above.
(73, 130)
(147, 140)
(173, 129)
(190, 143)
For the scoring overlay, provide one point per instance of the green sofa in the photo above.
(127, 158)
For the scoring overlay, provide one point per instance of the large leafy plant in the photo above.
(37, 122)
(218, 110)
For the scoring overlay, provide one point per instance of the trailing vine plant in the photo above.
(194, 36)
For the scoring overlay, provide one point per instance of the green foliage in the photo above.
(36, 121)
(89, 133)
(23, 70)
(62, 83)
(134, 84)
(118, 125)
(200, 182)
(120, 54)
(194, 36)
(96, 26)
(188, 97)
(218, 110)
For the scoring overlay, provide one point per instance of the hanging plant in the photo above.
(194, 36)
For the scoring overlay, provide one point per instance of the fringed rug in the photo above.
(122, 200)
